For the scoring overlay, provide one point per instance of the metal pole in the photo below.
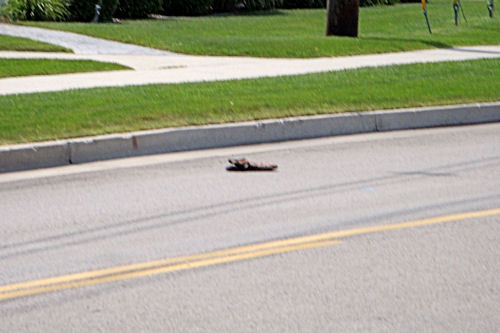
(490, 7)
(98, 8)
(456, 7)
(462, 10)
(424, 8)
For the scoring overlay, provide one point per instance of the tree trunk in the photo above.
(342, 18)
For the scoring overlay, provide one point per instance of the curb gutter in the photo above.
(65, 152)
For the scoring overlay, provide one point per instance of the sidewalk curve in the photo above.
(80, 44)
(178, 69)
(162, 67)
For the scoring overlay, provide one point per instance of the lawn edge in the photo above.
(104, 147)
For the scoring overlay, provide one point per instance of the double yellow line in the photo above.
(212, 258)
(154, 267)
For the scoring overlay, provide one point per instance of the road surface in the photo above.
(378, 232)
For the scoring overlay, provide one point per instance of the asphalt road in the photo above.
(321, 245)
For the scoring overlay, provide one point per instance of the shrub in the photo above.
(187, 7)
(14, 10)
(36, 10)
(322, 3)
(369, 3)
(138, 8)
(262, 4)
(46, 10)
(84, 10)
(247, 5)
(221, 6)
(304, 4)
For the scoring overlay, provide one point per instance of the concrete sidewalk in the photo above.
(162, 67)
(80, 44)
(151, 69)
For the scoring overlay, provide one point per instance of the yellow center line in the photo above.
(160, 270)
(213, 258)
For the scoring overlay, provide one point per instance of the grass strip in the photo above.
(25, 67)
(46, 116)
(8, 43)
(301, 33)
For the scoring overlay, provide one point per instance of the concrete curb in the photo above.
(57, 153)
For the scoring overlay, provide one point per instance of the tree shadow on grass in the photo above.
(465, 49)
(435, 44)
(272, 12)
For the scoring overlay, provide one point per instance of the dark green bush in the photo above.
(36, 10)
(138, 8)
(262, 4)
(187, 7)
(204, 7)
(84, 10)
(369, 3)
(304, 4)
(221, 6)
(322, 3)
(14, 10)
(46, 10)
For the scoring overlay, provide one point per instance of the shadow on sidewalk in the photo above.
(465, 49)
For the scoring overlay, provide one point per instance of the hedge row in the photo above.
(322, 3)
(205, 7)
(38, 10)
(138, 8)
(187, 7)
(57, 10)
(85, 10)
(290, 4)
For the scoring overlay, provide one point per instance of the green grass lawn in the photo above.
(37, 117)
(24, 67)
(301, 33)
(8, 43)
